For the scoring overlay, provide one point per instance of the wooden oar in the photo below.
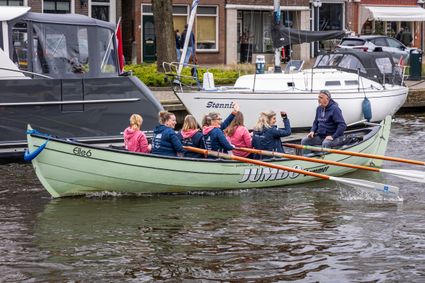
(412, 175)
(383, 157)
(386, 190)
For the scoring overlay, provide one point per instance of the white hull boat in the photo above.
(350, 76)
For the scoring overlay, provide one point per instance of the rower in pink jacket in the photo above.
(134, 139)
(238, 135)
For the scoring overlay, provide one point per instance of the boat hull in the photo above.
(67, 168)
(300, 106)
(93, 109)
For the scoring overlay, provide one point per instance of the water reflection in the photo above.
(268, 235)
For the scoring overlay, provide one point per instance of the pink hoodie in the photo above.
(241, 138)
(135, 140)
(189, 133)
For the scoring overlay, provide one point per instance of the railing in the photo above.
(180, 81)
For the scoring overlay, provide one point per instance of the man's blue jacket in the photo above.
(329, 121)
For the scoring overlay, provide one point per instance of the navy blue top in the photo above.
(178, 38)
(191, 39)
(216, 140)
(197, 140)
(165, 141)
(269, 138)
(329, 121)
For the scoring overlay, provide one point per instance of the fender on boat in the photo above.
(367, 109)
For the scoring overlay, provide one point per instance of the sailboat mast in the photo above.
(187, 37)
(277, 17)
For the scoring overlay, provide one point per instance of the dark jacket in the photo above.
(178, 41)
(191, 39)
(216, 140)
(269, 138)
(329, 121)
(197, 140)
(165, 141)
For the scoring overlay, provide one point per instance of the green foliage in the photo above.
(148, 74)
(223, 75)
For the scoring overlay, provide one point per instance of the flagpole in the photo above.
(277, 68)
(188, 35)
(108, 48)
(120, 50)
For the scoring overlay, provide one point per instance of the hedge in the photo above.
(223, 74)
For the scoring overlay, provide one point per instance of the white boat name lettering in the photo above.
(212, 104)
(261, 174)
(81, 152)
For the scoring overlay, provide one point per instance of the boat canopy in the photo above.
(377, 66)
(8, 13)
(63, 46)
(283, 36)
(67, 19)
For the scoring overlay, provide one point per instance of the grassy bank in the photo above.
(223, 74)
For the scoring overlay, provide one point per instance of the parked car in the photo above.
(370, 43)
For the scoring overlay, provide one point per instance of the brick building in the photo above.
(233, 31)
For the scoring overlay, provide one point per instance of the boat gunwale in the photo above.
(372, 132)
(295, 91)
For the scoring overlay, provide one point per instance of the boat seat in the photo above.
(117, 147)
(347, 140)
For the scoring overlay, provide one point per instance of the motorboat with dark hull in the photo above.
(62, 72)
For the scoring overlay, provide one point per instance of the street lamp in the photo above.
(316, 4)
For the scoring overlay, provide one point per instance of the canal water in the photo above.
(319, 232)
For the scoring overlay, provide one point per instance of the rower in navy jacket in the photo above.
(266, 135)
(165, 140)
(328, 125)
(191, 135)
(212, 128)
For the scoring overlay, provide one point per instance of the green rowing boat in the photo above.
(67, 167)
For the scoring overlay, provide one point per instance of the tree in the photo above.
(164, 32)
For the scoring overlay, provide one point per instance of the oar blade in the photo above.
(379, 188)
(411, 175)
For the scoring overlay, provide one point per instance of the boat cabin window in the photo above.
(332, 83)
(107, 52)
(384, 65)
(352, 82)
(329, 60)
(20, 45)
(352, 63)
(291, 84)
(60, 50)
(345, 61)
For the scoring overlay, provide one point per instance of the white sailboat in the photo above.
(350, 76)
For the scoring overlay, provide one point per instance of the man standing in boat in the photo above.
(328, 125)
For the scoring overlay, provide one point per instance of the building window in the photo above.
(100, 10)
(206, 28)
(179, 17)
(254, 31)
(11, 2)
(330, 17)
(57, 6)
